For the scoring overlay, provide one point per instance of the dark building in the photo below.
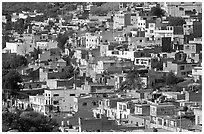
(166, 44)
(180, 57)
(197, 29)
(127, 19)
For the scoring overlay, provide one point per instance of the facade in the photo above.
(19, 48)
(180, 69)
(118, 20)
(61, 99)
(198, 116)
(38, 103)
(92, 40)
(178, 9)
(85, 103)
(197, 73)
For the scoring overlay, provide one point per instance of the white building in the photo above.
(38, 103)
(118, 20)
(92, 40)
(144, 61)
(158, 32)
(121, 54)
(62, 99)
(19, 48)
(197, 73)
(42, 45)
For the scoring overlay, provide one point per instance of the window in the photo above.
(120, 107)
(182, 67)
(94, 103)
(56, 102)
(55, 94)
(124, 107)
(181, 8)
(187, 47)
(137, 61)
(151, 31)
(193, 55)
(84, 104)
(151, 25)
(183, 73)
(72, 95)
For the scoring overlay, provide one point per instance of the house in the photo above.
(42, 45)
(97, 87)
(51, 73)
(197, 73)
(37, 103)
(180, 69)
(100, 125)
(188, 28)
(153, 31)
(92, 40)
(108, 107)
(193, 51)
(198, 116)
(85, 103)
(160, 109)
(142, 109)
(51, 54)
(146, 62)
(174, 95)
(125, 54)
(178, 9)
(61, 99)
(118, 20)
(124, 109)
(4, 20)
(19, 48)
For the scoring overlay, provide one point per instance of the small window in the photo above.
(94, 103)
(56, 102)
(181, 67)
(84, 104)
(55, 94)
(72, 95)
(181, 8)
(183, 73)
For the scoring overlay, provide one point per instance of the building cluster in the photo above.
(105, 48)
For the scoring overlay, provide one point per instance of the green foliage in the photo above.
(157, 11)
(11, 81)
(14, 62)
(171, 79)
(176, 21)
(19, 26)
(132, 82)
(28, 121)
(35, 53)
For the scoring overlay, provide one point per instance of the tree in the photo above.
(176, 21)
(171, 79)
(19, 26)
(132, 81)
(157, 11)
(35, 53)
(11, 82)
(29, 121)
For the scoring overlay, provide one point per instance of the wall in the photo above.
(66, 102)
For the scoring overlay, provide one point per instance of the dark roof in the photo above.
(178, 30)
